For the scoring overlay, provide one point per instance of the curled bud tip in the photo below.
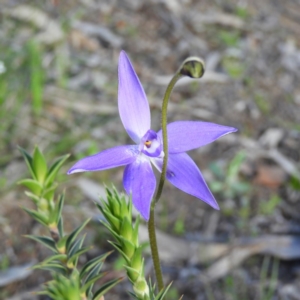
(193, 67)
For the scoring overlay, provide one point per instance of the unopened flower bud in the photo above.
(193, 67)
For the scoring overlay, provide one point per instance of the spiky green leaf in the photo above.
(120, 250)
(75, 256)
(114, 222)
(39, 165)
(91, 282)
(127, 247)
(92, 263)
(93, 272)
(36, 199)
(33, 185)
(126, 229)
(105, 288)
(38, 216)
(56, 210)
(107, 225)
(46, 241)
(56, 257)
(76, 246)
(137, 259)
(53, 170)
(163, 292)
(60, 226)
(133, 295)
(133, 274)
(59, 206)
(52, 266)
(29, 161)
(71, 238)
(49, 192)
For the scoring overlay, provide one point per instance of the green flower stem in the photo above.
(192, 67)
(151, 223)
(164, 113)
(154, 249)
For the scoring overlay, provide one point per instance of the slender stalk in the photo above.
(164, 112)
(192, 67)
(151, 223)
(154, 249)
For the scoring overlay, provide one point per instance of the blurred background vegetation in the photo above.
(58, 90)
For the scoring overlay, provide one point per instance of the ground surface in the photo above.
(252, 54)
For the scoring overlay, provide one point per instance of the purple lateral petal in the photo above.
(183, 173)
(139, 181)
(187, 135)
(133, 104)
(110, 158)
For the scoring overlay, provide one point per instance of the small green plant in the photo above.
(233, 66)
(230, 185)
(229, 38)
(228, 181)
(118, 213)
(242, 12)
(179, 228)
(69, 281)
(268, 207)
(294, 182)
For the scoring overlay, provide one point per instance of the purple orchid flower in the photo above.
(139, 180)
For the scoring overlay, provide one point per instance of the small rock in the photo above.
(272, 137)
(290, 292)
(270, 176)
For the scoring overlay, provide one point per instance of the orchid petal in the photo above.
(110, 158)
(139, 181)
(183, 173)
(133, 104)
(187, 135)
